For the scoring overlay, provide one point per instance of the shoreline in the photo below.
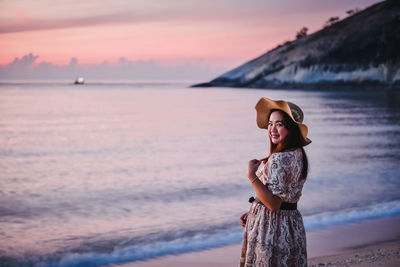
(367, 243)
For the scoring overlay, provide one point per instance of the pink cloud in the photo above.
(27, 67)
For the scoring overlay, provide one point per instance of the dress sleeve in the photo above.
(278, 176)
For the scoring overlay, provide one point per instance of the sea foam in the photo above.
(207, 240)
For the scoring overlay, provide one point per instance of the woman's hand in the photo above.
(252, 167)
(243, 219)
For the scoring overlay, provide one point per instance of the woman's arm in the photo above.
(271, 201)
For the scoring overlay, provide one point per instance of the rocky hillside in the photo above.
(362, 50)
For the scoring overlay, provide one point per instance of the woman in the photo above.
(274, 232)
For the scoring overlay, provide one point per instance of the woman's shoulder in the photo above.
(285, 157)
(286, 153)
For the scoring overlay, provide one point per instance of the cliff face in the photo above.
(360, 51)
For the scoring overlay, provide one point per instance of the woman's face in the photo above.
(276, 130)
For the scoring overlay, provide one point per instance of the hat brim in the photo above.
(264, 107)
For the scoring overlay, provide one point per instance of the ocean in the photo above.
(113, 172)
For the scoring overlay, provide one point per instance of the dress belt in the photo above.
(284, 205)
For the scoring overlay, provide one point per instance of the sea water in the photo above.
(112, 172)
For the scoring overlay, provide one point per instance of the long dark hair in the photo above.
(293, 140)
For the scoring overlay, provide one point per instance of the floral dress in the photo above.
(277, 238)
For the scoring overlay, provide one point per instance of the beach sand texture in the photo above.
(375, 242)
(385, 254)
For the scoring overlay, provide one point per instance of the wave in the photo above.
(152, 245)
(144, 252)
(194, 238)
(329, 219)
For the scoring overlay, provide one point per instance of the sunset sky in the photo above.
(220, 33)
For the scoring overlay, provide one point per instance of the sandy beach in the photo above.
(374, 242)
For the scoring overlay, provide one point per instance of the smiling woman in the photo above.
(274, 232)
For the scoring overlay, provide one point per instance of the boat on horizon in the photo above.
(79, 80)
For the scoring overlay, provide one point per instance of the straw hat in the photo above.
(264, 107)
